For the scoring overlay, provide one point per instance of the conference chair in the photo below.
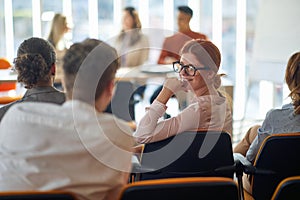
(288, 189)
(277, 159)
(36, 195)
(206, 188)
(188, 154)
(7, 86)
(123, 102)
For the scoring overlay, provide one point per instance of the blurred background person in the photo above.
(132, 45)
(173, 44)
(59, 27)
(133, 49)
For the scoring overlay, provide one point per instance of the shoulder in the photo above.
(172, 37)
(32, 108)
(111, 121)
(31, 114)
(198, 35)
(144, 36)
(280, 112)
(4, 109)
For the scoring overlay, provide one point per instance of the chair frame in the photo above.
(164, 159)
(268, 168)
(37, 195)
(288, 188)
(181, 188)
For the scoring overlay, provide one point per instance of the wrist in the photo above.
(164, 95)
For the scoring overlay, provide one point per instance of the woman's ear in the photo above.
(111, 87)
(53, 69)
(211, 74)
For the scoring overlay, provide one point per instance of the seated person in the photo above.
(282, 120)
(35, 65)
(75, 146)
(209, 109)
(172, 44)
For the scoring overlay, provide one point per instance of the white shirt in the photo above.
(72, 147)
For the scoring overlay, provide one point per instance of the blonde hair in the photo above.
(292, 78)
(58, 29)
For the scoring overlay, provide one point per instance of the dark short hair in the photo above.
(88, 67)
(186, 10)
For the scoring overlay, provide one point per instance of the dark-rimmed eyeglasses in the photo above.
(189, 69)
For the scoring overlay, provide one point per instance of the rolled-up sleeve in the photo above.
(148, 123)
(263, 132)
(151, 128)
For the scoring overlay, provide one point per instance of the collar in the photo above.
(38, 90)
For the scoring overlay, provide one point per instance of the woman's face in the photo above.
(200, 79)
(127, 21)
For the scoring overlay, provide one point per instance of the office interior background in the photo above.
(231, 24)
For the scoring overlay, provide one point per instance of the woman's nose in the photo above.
(183, 72)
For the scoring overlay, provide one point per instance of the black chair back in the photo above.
(205, 188)
(189, 154)
(122, 103)
(279, 154)
(288, 189)
(36, 195)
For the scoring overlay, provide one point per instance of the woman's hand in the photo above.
(170, 87)
(175, 85)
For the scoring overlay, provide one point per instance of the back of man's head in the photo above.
(88, 67)
(185, 9)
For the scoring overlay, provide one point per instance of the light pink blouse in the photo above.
(211, 112)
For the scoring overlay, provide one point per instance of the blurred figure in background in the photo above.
(173, 44)
(132, 45)
(59, 27)
(133, 49)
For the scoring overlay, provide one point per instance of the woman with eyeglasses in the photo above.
(209, 109)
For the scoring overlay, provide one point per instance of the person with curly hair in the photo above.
(35, 66)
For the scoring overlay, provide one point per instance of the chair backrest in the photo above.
(189, 154)
(122, 103)
(279, 154)
(288, 189)
(5, 86)
(181, 189)
(4, 63)
(36, 195)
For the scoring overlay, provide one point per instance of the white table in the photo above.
(6, 75)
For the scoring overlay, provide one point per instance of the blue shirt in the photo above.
(282, 120)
